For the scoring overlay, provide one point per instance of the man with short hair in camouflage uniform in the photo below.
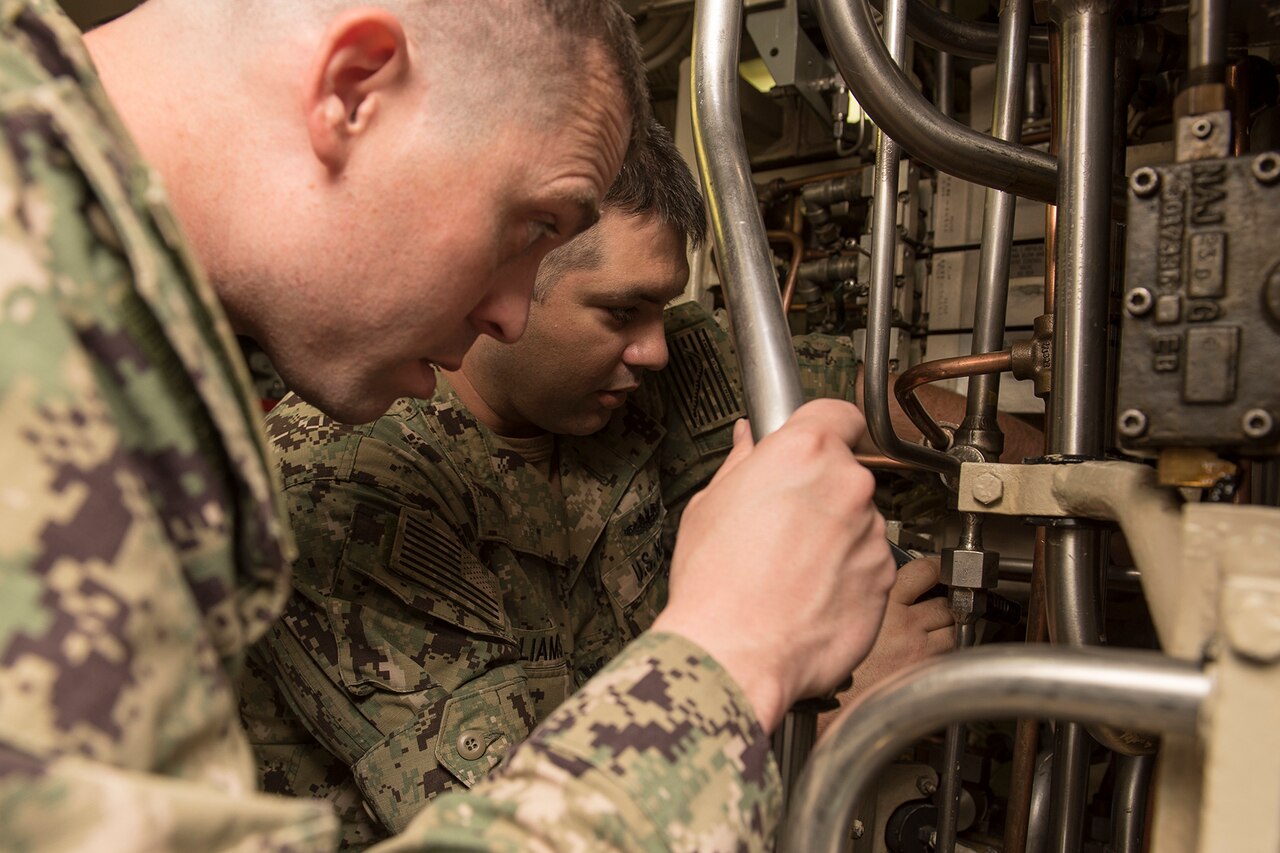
(471, 559)
(357, 211)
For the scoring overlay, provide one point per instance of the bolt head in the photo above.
(1202, 128)
(987, 489)
(1138, 302)
(1257, 423)
(1144, 182)
(1132, 423)
(1266, 167)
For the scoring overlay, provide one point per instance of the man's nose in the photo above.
(648, 351)
(504, 311)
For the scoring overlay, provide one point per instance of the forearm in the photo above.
(657, 752)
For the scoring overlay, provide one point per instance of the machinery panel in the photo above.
(1202, 288)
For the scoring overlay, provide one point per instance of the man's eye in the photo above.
(540, 229)
(622, 315)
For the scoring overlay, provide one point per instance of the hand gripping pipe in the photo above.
(884, 232)
(1127, 688)
(893, 103)
(770, 375)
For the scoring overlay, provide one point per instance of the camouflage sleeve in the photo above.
(395, 650)
(828, 367)
(658, 752)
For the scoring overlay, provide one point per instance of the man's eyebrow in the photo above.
(588, 212)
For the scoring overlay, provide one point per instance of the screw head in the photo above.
(1138, 302)
(1257, 423)
(987, 489)
(1266, 167)
(1202, 128)
(1132, 423)
(1144, 182)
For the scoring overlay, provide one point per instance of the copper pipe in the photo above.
(934, 371)
(793, 272)
(1238, 91)
(1026, 738)
(875, 461)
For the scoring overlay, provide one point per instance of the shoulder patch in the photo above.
(706, 396)
(451, 574)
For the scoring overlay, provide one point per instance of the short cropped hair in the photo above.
(502, 48)
(654, 181)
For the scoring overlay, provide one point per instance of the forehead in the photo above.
(638, 256)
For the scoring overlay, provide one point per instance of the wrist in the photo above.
(756, 679)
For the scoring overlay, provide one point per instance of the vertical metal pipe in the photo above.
(1026, 739)
(880, 296)
(950, 789)
(946, 69)
(1079, 354)
(1207, 40)
(1129, 805)
(997, 229)
(770, 376)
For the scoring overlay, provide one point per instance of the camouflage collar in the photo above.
(515, 504)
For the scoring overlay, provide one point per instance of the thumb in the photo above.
(743, 444)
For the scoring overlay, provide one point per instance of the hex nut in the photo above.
(962, 567)
(1144, 182)
(987, 489)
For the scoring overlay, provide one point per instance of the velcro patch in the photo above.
(700, 386)
(438, 562)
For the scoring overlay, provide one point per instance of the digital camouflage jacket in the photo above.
(142, 551)
(448, 598)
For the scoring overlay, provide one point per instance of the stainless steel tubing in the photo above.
(949, 788)
(946, 69)
(1038, 814)
(1207, 40)
(893, 103)
(884, 233)
(1129, 809)
(1128, 688)
(1071, 747)
(770, 376)
(1077, 409)
(940, 30)
(997, 227)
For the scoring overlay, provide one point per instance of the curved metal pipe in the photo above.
(884, 232)
(994, 682)
(940, 30)
(935, 371)
(887, 95)
(770, 376)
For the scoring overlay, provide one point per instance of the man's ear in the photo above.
(362, 57)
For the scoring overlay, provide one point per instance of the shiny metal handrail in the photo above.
(893, 103)
(1126, 688)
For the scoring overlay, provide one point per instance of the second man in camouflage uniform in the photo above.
(472, 559)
